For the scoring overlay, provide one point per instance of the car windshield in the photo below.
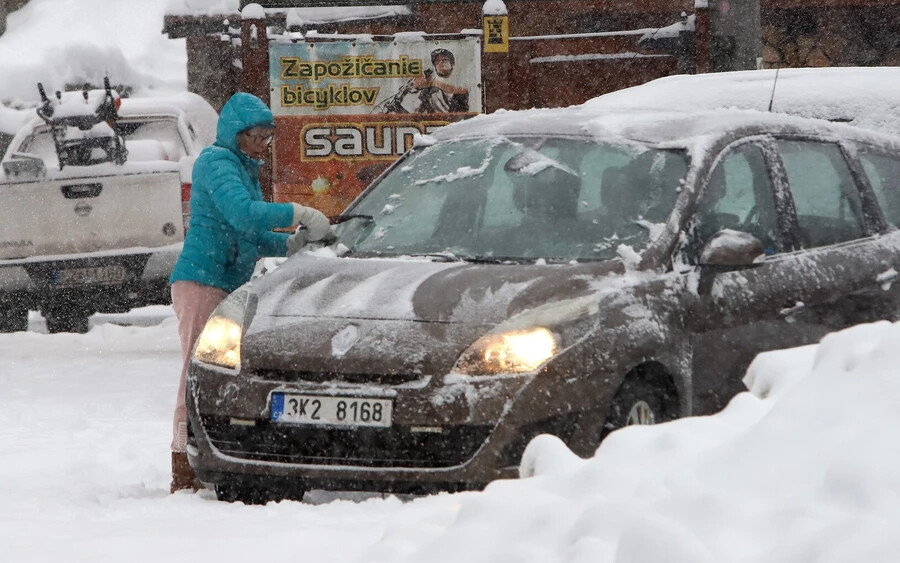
(520, 198)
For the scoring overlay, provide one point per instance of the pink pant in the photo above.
(193, 304)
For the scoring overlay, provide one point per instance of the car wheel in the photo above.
(66, 321)
(13, 320)
(645, 397)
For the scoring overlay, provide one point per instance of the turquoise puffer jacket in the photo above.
(230, 225)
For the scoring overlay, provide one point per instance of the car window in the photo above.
(530, 197)
(739, 196)
(825, 196)
(883, 172)
(162, 133)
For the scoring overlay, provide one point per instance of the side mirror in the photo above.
(731, 249)
(727, 251)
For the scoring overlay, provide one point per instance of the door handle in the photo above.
(887, 278)
(80, 191)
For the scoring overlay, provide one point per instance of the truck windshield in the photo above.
(146, 139)
(520, 198)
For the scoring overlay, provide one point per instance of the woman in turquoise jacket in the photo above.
(230, 229)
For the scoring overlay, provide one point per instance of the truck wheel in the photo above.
(645, 397)
(66, 321)
(13, 320)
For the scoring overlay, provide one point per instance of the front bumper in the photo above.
(31, 283)
(444, 436)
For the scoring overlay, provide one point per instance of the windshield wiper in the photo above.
(344, 218)
(441, 256)
(451, 257)
(496, 260)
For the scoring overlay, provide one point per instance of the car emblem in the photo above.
(83, 209)
(344, 340)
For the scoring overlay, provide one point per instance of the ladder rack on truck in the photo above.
(85, 128)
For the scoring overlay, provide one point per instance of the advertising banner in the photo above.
(346, 110)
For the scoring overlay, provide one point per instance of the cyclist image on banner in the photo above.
(435, 91)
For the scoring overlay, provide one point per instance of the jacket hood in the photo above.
(240, 112)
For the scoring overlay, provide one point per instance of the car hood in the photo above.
(394, 314)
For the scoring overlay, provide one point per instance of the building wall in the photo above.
(810, 36)
(787, 33)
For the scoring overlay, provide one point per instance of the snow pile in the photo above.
(803, 468)
(62, 42)
(202, 7)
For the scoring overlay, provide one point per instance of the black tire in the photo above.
(13, 320)
(66, 321)
(645, 397)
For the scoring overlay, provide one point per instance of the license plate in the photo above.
(331, 411)
(80, 276)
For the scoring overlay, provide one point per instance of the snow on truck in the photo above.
(94, 195)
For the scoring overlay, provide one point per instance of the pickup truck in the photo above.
(94, 205)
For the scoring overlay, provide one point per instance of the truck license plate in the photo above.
(331, 411)
(99, 275)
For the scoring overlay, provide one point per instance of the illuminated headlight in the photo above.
(220, 342)
(519, 351)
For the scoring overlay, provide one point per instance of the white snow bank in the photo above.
(803, 468)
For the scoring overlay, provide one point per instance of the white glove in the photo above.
(316, 223)
(297, 241)
(300, 238)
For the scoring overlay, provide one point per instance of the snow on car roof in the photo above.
(666, 128)
(863, 96)
(203, 116)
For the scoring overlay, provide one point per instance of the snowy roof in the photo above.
(294, 15)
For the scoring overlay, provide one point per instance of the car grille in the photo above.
(321, 376)
(365, 447)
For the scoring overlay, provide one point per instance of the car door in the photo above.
(739, 311)
(821, 268)
(849, 257)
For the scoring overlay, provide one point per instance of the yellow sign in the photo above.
(496, 34)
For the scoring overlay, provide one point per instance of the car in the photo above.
(92, 219)
(562, 271)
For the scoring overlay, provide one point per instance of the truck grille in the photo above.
(363, 447)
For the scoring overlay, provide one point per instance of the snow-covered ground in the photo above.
(804, 468)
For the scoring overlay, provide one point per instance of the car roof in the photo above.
(863, 96)
(666, 129)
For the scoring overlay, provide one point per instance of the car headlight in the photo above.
(220, 342)
(518, 351)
